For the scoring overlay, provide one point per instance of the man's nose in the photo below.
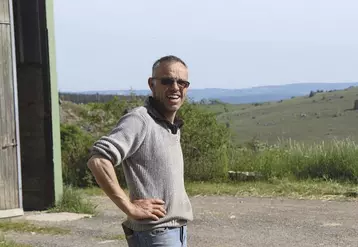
(175, 85)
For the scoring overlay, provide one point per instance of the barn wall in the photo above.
(55, 108)
(39, 150)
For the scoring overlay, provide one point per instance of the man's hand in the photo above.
(104, 173)
(147, 209)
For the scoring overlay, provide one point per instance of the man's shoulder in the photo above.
(136, 112)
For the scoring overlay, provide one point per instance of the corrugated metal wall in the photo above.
(9, 191)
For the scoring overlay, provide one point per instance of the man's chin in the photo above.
(172, 107)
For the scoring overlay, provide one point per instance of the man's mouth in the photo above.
(174, 98)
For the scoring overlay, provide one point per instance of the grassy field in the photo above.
(295, 168)
(325, 116)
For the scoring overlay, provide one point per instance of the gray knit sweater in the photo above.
(149, 150)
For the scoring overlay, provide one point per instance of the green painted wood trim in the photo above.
(58, 181)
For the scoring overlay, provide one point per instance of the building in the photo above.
(30, 152)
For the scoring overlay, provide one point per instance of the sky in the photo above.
(111, 44)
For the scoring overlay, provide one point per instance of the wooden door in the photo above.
(9, 171)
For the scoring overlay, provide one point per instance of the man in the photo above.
(146, 141)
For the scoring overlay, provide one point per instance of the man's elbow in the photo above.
(96, 162)
(91, 163)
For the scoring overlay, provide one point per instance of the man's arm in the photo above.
(104, 173)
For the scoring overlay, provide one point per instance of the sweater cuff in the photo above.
(107, 149)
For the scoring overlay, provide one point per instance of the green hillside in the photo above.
(207, 150)
(324, 116)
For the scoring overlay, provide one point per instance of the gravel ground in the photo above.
(224, 221)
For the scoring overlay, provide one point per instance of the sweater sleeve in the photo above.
(123, 140)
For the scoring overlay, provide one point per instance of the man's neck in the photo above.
(170, 116)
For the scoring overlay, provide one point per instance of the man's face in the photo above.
(171, 95)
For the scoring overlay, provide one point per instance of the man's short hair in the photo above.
(166, 59)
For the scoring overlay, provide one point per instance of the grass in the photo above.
(96, 191)
(10, 243)
(73, 200)
(325, 170)
(306, 119)
(305, 189)
(308, 189)
(93, 191)
(24, 226)
(335, 160)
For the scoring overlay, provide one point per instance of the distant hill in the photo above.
(315, 118)
(246, 95)
(323, 116)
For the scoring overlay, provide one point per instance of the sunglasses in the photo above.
(170, 81)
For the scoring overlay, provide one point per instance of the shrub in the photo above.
(205, 144)
(355, 107)
(312, 93)
(74, 201)
(102, 117)
(75, 145)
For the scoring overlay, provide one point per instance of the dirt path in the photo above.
(226, 221)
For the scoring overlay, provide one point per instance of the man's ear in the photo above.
(150, 83)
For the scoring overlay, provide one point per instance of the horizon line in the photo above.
(214, 88)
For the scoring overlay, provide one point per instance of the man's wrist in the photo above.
(124, 204)
(127, 208)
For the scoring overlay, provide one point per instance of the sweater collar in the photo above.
(155, 109)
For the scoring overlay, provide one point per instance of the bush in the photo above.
(102, 117)
(75, 146)
(312, 93)
(74, 201)
(205, 144)
(205, 141)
